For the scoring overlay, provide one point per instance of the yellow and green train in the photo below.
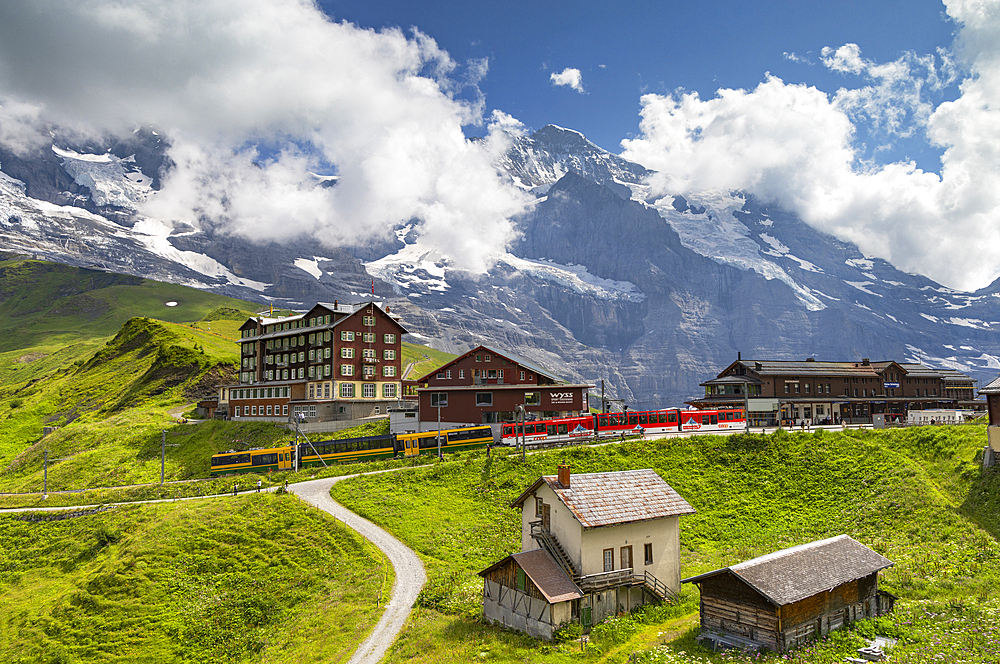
(350, 450)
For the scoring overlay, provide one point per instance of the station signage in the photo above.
(561, 398)
(890, 384)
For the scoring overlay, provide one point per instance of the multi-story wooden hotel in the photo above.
(334, 362)
(818, 392)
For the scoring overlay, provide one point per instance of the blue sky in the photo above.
(626, 49)
(877, 122)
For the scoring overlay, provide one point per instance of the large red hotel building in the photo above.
(334, 362)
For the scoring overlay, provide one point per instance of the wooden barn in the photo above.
(788, 597)
(531, 593)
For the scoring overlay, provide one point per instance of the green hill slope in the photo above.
(917, 496)
(108, 407)
(49, 305)
(248, 579)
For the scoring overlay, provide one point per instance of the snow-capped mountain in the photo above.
(652, 295)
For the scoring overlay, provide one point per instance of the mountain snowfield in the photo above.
(604, 281)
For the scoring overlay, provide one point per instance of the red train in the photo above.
(605, 425)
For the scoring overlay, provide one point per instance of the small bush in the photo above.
(568, 632)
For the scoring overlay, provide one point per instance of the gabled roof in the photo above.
(993, 387)
(610, 499)
(516, 359)
(845, 369)
(545, 573)
(790, 575)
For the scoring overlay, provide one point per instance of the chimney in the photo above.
(865, 361)
(564, 475)
(739, 356)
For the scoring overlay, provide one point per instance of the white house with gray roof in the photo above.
(614, 535)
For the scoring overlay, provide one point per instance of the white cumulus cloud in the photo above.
(253, 97)
(569, 77)
(794, 145)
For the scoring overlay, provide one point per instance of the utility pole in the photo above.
(746, 405)
(519, 413)
(163, 453)
(439, 428)
(604, 404)
(45, 471)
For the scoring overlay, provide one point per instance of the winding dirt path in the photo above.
(410, 576)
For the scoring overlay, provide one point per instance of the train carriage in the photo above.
(347, 450)
(549, 431)
(593, 427)
(452, 440)
(252, 461)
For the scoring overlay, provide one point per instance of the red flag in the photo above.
(373, 287)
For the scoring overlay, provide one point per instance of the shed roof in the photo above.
(609, 499)
(793, 574)
(545, 573)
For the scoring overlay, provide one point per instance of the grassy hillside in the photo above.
(258, 578)
(51, 306)
(916, 496)
(120, 393)
(419, 361)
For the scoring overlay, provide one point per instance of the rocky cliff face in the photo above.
(652, 295)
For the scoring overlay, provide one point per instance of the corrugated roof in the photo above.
(793, 574)
(609, 499)
(544, 572)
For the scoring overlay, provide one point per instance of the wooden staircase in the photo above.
(655, 587)
(549, 542)
(602, 580)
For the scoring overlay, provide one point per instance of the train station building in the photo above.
(818, 392)
(487, 385)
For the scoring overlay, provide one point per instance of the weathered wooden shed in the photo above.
(992, 450)
(529, 592)
(785, 598)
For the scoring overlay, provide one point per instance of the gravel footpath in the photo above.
(409, 570)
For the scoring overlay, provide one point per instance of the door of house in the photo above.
(545, 516)
(626, 557)
(585, 619)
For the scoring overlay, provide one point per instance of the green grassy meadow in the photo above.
(257, 578)
(915, 495)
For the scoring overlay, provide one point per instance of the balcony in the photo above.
(602, 580)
